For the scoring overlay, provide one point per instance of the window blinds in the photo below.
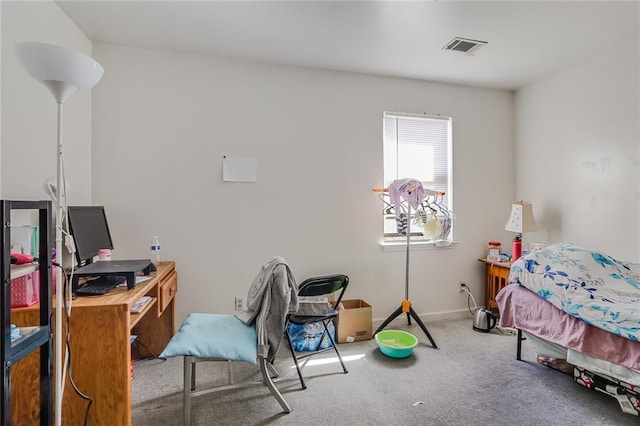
(418, 146)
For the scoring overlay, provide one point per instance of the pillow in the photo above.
(216, 336)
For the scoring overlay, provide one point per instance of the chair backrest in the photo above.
(319, 286)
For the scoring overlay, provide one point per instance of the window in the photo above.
(418, 147)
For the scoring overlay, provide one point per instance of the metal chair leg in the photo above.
(189, 385)
(295, 360)
(335, 348)
(272, 387)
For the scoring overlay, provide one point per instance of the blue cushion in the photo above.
(214, 336)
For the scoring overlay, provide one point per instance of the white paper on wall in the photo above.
(239, 169)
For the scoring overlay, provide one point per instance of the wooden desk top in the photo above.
(118, 295)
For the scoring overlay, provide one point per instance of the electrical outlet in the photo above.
(462, 288)
(239, 303)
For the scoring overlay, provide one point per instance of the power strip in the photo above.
(508, 330)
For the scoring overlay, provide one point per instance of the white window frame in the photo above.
(441, 170)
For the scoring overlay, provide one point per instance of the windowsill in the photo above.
(416, 245)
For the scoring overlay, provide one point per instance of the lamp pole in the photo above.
(59, 285)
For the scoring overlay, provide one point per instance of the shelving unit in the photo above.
(38, 336)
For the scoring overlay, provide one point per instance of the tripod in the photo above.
(405, 307)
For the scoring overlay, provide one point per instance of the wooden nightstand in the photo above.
(496, 278)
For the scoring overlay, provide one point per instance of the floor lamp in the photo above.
(63, 72)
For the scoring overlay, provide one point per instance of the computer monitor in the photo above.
(90, 230)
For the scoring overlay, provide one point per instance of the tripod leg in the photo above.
(389, 319)
(408, 318)
(423, 327)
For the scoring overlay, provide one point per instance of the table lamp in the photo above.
(520, 221)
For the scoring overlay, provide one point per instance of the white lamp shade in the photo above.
(521, 219)
(63, 71)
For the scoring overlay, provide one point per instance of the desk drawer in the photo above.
(168, 290)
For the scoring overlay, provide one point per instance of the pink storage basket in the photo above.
(25, 290)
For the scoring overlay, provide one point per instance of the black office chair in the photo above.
(318, 286)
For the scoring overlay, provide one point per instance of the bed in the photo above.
(581, 306)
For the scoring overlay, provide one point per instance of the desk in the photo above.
(100, 332)
(497, 277)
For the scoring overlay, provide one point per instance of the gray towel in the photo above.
(272, 296)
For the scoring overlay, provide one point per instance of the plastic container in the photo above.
(155, 250)
(396, 343)
(104, 254)
(493, 250)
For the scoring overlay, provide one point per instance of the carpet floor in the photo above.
(473, 378)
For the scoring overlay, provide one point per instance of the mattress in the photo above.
(525, 310)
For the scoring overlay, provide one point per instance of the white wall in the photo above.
(29, 112)
(163, 122)
(577, 148)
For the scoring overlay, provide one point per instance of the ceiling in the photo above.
(526, 40)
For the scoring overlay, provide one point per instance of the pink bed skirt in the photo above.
(521, 308)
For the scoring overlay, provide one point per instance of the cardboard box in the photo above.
(354, 321)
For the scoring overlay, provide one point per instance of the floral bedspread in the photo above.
(589, 285)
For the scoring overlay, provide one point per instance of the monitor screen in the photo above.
(90, 230)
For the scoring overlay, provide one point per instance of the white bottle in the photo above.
(155, 250)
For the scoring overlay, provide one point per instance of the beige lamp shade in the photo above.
(521, 219)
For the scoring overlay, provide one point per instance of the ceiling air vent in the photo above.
(464, 45)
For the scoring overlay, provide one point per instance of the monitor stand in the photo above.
(128, 268)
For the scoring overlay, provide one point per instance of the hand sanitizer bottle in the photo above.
(155, 250)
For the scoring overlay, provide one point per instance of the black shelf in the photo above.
(28, 342)
(37, 336)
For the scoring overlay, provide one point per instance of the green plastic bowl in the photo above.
(396, 343)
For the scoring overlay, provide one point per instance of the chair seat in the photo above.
(306, 319)
(214, 336)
